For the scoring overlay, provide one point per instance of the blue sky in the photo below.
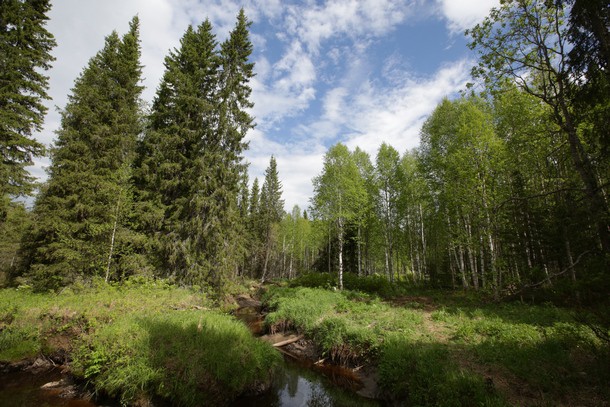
(361, 72)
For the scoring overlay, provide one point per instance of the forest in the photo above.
(508, 190)
(505, 198)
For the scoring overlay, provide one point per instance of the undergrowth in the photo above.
(190, 358)
(424, 374)
(139, 339)
(449, 348)
(347, 326)
(542, 345)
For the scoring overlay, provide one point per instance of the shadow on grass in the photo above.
(496, 372)
(209, 361)
(186, 359)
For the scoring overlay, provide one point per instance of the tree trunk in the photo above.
(598, 208)
(340, 236)
(359, 254)
(266, 262)
(114, 227)
(423, 242)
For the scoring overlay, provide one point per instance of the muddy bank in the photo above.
(360, 379)
(42, 381)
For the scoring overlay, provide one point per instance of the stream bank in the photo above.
(307, 378)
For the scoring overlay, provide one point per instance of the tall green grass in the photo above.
(433, 347)
(190, 358)
(139, 339)
(347, 326)
(424, 374)
(542, 345)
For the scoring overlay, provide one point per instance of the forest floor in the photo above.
(139, 343)
(142, 341)
(449, 348)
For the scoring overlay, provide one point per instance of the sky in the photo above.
(359, 72)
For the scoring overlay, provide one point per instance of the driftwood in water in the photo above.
(288, 341)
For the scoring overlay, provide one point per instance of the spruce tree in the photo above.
(254, 198)
(226, 159)
(271, 210)
(172, 174)
(82, 211)
(272, 204)
(190, 164)
(25, 47)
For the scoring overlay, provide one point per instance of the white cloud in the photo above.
(369, 114)
(323, 56)
(297, 164)
(284, 88)
(395, 116)
(355, 18)
(465, 14)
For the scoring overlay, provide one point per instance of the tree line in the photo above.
(508, 189)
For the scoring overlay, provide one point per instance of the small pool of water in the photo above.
(301, 383)
(23, 389)
(298, 385)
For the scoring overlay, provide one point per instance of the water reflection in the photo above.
(297, 386)
(22, 389)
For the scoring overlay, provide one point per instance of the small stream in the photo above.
(299, 386)
(23, 389)
(299, 383)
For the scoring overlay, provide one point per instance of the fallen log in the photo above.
(288, 341)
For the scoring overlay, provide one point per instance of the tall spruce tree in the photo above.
(190, 164)
(271, 210)
(81, 210)
(171, 172)
(25, 47)
(225, 159)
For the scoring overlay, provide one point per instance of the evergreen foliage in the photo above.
(25, 53)
(80, 215)
(190, 165)
(170, 171)
(270, 213)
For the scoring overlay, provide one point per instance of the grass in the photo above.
(139, 341)
(188, 358)
(451, 348)
(424, 374)
(347, 326)
(541, 345)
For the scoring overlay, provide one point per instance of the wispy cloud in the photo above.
(317, 79)
(314, 23)
(464, 14)
(395, 116)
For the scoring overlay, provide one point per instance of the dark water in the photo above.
(301, 386)
(302, 383)
(298, 384)
(22, 389)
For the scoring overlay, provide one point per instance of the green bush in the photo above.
(315, 280)
(373, 284)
